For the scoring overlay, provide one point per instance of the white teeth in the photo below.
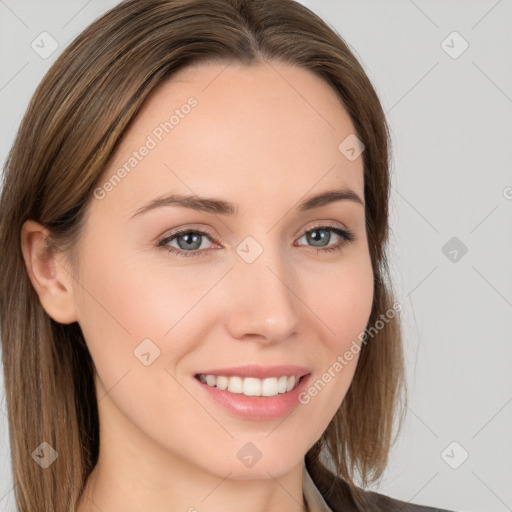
(235, 384)
(269, 388)
(282, 384)
(291, 383)
(251, 386)
(222, 382)
(210, 380)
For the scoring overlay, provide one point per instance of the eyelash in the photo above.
(346, 235)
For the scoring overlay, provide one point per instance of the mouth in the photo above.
(253, 392)
(252, 386)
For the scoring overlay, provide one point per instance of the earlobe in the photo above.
(48, 275)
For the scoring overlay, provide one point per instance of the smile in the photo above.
(251, 386)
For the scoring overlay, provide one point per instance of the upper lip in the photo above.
(259, 372)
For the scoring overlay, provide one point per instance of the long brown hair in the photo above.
(72, 126)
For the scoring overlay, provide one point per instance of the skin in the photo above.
(253, 139)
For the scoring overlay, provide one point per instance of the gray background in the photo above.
(450, 117)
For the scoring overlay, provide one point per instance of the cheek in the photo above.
(126, 301)
(342, 297)
(125, 313)
(343, 306)
(132, 295)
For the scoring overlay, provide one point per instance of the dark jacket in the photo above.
(384, 503)
(340, 497)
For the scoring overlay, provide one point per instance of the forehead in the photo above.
(237, 131)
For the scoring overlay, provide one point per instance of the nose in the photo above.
(265, 304)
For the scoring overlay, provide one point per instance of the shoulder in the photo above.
(343, 498)
(338, 496)
(380, 502)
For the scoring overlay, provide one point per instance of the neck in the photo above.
(135, 473)
(128, 489)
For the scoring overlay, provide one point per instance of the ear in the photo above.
(50, 278)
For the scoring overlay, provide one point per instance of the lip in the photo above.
(259, 372)
(257, 408)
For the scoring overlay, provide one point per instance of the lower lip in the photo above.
(257, 407)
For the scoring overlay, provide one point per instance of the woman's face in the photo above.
(268, 282)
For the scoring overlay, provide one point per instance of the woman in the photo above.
(195, 312)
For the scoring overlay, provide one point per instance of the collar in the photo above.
(312, 496)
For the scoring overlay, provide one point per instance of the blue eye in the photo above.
(316, 235)
(190, 240)
(190, 245)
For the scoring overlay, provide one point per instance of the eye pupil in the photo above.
(318, 235)
(196, 240)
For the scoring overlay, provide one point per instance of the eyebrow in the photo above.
(222, 207)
